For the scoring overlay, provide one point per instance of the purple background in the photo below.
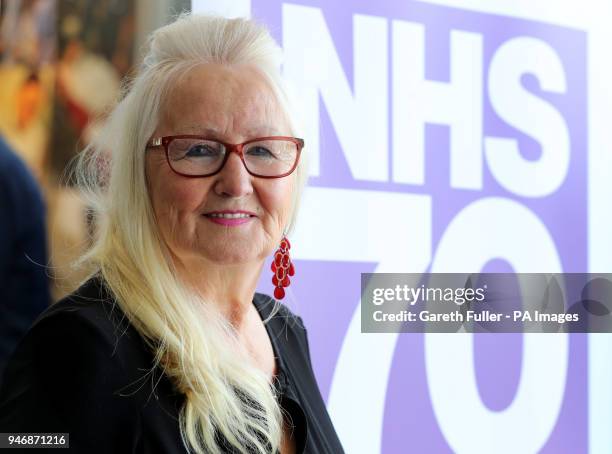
(325, 288)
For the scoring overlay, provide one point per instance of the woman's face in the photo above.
(231, 104)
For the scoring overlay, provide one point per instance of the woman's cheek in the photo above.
(279, 200)
(184, 196)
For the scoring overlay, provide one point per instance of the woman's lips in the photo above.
(230, 217)
(229, 222)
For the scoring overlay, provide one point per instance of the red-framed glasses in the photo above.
(199, 156)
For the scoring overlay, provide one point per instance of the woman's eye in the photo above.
(202, 151)
(260, 152)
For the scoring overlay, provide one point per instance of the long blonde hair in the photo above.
(194, 344)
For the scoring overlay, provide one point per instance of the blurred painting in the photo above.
(62, 62)
(95, 48)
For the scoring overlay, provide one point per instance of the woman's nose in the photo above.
(233, 179)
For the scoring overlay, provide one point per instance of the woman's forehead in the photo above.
(220, 97)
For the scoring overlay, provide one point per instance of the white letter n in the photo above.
(417, 101)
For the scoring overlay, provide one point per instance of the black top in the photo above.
(82, 369)
(24, 287)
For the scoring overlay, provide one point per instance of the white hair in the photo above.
(223, 392)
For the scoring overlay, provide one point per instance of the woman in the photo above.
(165, 347)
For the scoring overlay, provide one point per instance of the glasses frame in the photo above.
(164, 141)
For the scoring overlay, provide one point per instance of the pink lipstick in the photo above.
(230, 218)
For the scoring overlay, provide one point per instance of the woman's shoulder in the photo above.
(88, 321)
(92, 302)
(91, 315)
(88, 315)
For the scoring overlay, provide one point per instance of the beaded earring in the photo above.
(282, 268)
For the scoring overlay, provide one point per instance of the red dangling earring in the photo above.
(282, 269)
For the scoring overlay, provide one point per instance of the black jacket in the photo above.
(82, 369)
(24, 287)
